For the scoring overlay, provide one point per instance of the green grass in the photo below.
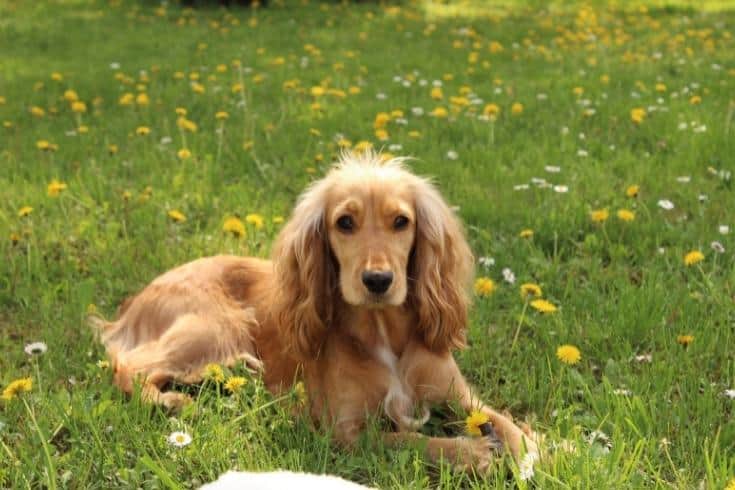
(622, 288)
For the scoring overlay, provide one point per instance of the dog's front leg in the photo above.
(436, 378)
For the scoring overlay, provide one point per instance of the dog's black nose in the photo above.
(377, 282)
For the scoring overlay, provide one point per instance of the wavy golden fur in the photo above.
(364, 300)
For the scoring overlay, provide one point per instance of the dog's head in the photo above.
(371, 234)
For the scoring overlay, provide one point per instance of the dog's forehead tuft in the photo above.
(369, 166)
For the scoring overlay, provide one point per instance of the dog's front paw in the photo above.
(476, 453)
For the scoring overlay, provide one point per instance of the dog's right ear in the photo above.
(305, 278)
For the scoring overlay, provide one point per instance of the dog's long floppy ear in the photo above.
(441, 270)
(305, 278)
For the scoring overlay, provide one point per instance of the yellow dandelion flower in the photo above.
(234, 225)
(197, 88)
(180, 111)
(516, 108)
(693, 257)
(184, 154)
(112, 148)
(235, 383)
(660, 87)
(484, 286)
(2, 100)
(56, 76)
(71, 96)
(730, 485)
(254, 219)
(237, 88)
(25, 211)
(142, 130)
(685, 340)
(381, 120)
(17, 387)
(176, 216)
(543, 306)
(221, 115)
(103, 364)
(381, 134)
(625, 215)
(142, 99)
(79, 107)
(187, 125)
(43, 145)
(637, 115)
(599, 215)
(695, 99)
(414, 134)
(527, 233)
(126, 99)
(568, 354)
(530, 289)
(317, 91)
(214, 372)
(55, 187)
(491, 110)
(37, 111)
(473, 422)
(632, 191)
(439, 112)
(436, 93)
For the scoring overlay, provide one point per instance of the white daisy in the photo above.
(622, 392)
(520, 187)
(452, 155)
(665, 204)
(179, 439)
(684, 179)
(486, 261)
(723, 229)
(644, 358)
(525, 467)
(718, 247)
(552, 169)
(729, 393)
(35, 348)
(561, 189)
(417, 111)
(508, 275)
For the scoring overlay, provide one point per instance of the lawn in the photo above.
(588, 149)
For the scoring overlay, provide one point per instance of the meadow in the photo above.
(588, 148)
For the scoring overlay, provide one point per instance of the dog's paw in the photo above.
(173, 400)
(477, 453)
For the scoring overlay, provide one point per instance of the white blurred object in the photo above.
(277, 480)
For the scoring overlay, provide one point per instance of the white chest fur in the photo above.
(398, 403)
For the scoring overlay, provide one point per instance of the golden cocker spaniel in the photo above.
(364, 300)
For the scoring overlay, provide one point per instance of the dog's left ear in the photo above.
(441, 270)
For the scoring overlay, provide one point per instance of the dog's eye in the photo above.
(345, 223)
(400, 223)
